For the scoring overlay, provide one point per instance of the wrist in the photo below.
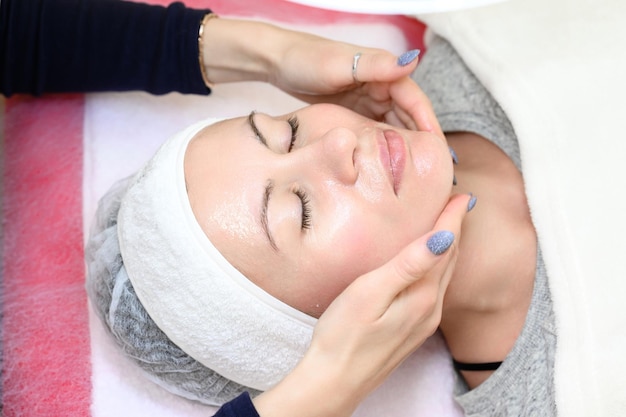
(201, 59)
(239, 50)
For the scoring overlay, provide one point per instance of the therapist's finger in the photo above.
(399, 118)
(381, 66)
(416, 310)
(412, 105)
(419, 259)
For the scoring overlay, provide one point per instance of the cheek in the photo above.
(349, 250)
(432, 184)
(351, 253)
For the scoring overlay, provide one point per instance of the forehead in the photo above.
(225, 171)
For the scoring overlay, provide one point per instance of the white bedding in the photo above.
(557, 69)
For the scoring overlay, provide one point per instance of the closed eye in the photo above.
(306, 207)
(294, 124)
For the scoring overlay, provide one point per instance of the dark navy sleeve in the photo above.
(98, 45)
(239, 407)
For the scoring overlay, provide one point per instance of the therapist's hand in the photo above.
(370, 329)
(319, 70)
(384, 91)
(315, 69)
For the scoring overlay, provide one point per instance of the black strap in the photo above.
(486, 366)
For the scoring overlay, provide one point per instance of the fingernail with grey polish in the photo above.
(455, 159)
(408, 57)
(454, 180)
(440, 242)
(471, 203)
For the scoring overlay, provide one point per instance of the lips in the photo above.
(393, 157)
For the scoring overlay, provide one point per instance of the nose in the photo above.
(334, 154)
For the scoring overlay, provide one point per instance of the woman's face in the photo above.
(302, 220)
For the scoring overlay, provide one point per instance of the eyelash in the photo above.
(306, 208)
(302, 195)
(294, 124)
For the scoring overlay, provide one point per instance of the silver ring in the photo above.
(355, 63)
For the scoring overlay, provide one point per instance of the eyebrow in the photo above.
(256, 130)
(269, 187)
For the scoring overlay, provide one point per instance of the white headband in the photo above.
(195, 296)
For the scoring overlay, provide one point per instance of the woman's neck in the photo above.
(487, 300)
